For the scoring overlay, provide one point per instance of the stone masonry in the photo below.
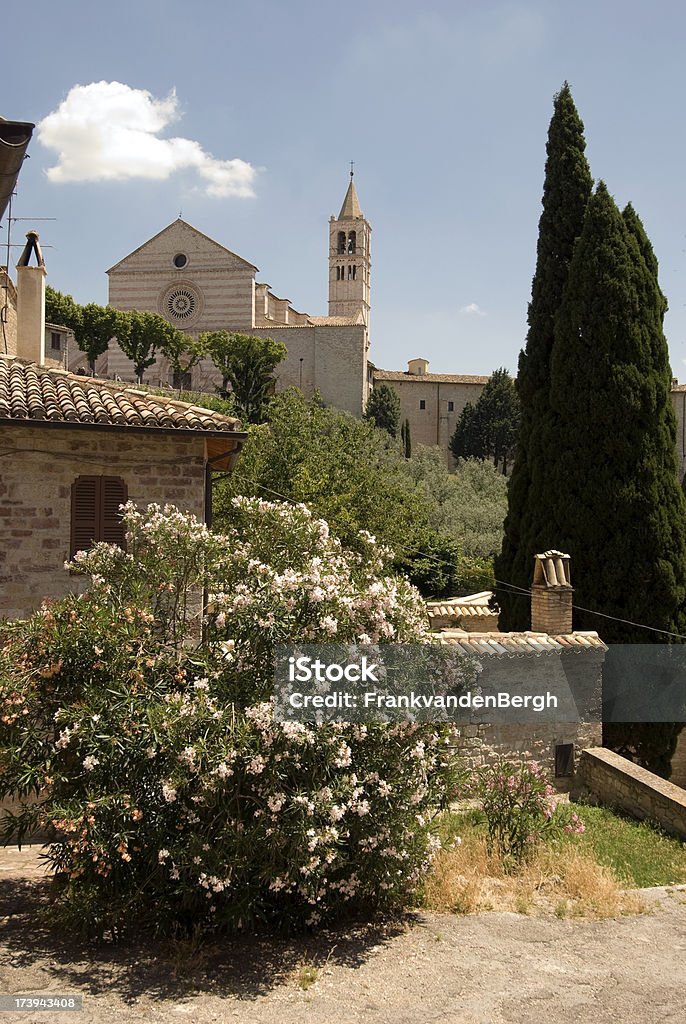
(35, 497)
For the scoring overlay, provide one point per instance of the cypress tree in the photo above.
(566, 192)
(406, 439)
(614, 500)
(488, 430)
(383, 408)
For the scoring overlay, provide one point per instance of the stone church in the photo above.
(199, 285)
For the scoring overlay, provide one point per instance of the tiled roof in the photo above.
(678, 387)
(473, 606)
(439, 378)
(31, 393)
(336, 321)
(502, 644)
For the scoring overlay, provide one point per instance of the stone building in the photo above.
(432, 402)
(76, 447)
(549, 656)
(199, 285)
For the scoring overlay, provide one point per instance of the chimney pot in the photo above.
(551, 594)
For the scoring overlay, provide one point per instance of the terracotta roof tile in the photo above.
(430, 378)
(37, 393)
(519, 644)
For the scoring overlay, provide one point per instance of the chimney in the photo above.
(418, 367)
(31, 303)
(551, 594)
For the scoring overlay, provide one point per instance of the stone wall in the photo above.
(485, 743)
(435, 424)
(35, 497)
(8, 311)
(480, 745)
(616, 782)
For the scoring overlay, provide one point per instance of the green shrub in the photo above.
(172, 797)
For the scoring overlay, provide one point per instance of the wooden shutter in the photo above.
(113, 494)
(95, 515)
(84, 512)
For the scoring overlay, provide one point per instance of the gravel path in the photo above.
(491, 969)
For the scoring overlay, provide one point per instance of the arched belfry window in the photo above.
(352, 241)
(341, 241)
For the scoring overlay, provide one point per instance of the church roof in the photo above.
(351, 204)
(185, 224)
(441, 378)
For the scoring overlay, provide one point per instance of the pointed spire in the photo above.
(351, 204)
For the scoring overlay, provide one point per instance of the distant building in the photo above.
(432, 402)
(199, 285)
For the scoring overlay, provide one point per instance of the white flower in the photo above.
(168, 792)
(256, 765)
(90, 762)
(162, 856)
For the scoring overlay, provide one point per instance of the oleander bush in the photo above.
(520, 809)
(137, 729)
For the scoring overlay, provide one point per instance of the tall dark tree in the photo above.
(488, 430)
(406, 438)
(566, 192)
(613, 498)
(383, 408)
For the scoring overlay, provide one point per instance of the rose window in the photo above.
(181, 304)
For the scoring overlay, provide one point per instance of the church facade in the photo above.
(199, 285)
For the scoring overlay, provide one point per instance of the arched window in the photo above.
(352, 241)
(341, 241)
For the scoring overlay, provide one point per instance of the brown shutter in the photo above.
(95, 514)
(114, 494)
(84, 512)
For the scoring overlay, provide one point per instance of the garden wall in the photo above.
(617, 782)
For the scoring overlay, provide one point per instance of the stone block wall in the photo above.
(484, 744)
(578, 720)
(36, 477)
(616, 782)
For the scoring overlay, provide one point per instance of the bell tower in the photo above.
(349, 258)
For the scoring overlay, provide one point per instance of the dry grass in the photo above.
(567, 882)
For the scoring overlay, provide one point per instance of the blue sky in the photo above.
(444, 109)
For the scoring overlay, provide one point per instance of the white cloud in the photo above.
(107, 131)
(472, 310)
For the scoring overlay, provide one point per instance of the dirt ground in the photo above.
(492, 969)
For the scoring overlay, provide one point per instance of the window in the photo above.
(422, 403)
(95, 515)
(180, 260)
(352, 241)
(451, 407)
(564, 760)
(341, 241)
(55, 341)
(182, 381)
